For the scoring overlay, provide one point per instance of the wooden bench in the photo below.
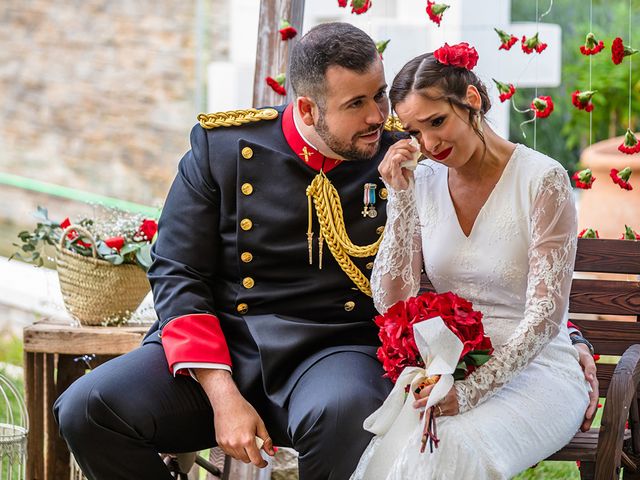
(603, 451)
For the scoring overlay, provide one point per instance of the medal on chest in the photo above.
(369, 200)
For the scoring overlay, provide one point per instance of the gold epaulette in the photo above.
(393, 123)
(235, 118)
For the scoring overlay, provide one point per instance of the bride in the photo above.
(493, 222)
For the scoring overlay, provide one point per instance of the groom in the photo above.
(262, 332)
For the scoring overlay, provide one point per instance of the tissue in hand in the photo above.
(413, 163)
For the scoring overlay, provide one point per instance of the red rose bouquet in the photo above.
(430, 339)
(399, 349)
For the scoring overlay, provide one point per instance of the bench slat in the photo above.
(610, 297)
(607, 256)
(609, 337)
(582, 447)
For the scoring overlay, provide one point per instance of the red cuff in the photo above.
(571, 325)
(195, 338)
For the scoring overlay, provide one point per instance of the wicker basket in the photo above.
(95, 291)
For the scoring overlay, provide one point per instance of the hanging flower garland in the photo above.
(630, 145)
(629, 234)
(287, 31)
(589, 233)
(619, 51)
(533, 44)
(277, 84)
(506, 90)
(621, 177)
(506, 41)
(357, 6)
(582, 100)
(584, 179)
(436, 11)
(591, 45)
(381, 46)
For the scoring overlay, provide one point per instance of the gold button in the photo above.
(242, 308)
(246, 257)
(247, 152)
(384, 193)
(380, 229)
(248, 282)
(247, 188)
(349, 306)
(246, 224)
(369, 265)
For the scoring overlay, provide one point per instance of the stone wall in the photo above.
(100, 95)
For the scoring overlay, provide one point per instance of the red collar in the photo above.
(309, 155)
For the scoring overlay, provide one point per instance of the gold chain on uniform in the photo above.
(332, 230)
(235, 118)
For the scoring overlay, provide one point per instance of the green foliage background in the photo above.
(610, 115)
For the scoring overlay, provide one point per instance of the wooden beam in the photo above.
(272, 54)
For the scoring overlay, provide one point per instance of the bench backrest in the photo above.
(615, 296)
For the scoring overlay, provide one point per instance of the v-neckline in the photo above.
(491, 195)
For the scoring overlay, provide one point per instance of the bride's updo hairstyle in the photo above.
(447, 70)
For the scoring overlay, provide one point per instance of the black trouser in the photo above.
(118, 417)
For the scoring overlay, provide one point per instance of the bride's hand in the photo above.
(392, 173)
(448, 406)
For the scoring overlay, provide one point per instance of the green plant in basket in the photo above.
(119, 238)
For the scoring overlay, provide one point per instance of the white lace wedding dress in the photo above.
(515, 267)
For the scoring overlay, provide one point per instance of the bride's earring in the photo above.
(477, 120)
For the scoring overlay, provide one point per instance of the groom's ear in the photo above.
(307, 109)
(473, 97)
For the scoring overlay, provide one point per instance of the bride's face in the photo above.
(443, 130)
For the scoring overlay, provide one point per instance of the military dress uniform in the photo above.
(244, 277)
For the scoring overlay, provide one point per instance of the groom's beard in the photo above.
(346, 150)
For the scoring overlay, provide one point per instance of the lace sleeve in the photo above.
(396, 271)
(551, 258)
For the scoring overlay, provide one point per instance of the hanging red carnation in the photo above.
(506, 90)
(436, 11)
(589, 233)
(591, 45)
(277, 84)
(629, 234)
(360, 6)
(381, 46)
(342, 3)
(532, 44)
(630, 145)
(619, 51)
(506, 41)
(459, 55)
(582, 100)
(622, 177)
(584, 179)
(542, 106)
(287, 31)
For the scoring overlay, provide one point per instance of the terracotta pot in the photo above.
(607, 207)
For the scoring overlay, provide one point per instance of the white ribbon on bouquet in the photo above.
(395, 421)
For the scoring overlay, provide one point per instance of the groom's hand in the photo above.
(589, 368)
(236, 422)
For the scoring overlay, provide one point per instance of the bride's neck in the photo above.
(488, 159)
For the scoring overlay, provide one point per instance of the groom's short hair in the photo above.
(326, 45)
